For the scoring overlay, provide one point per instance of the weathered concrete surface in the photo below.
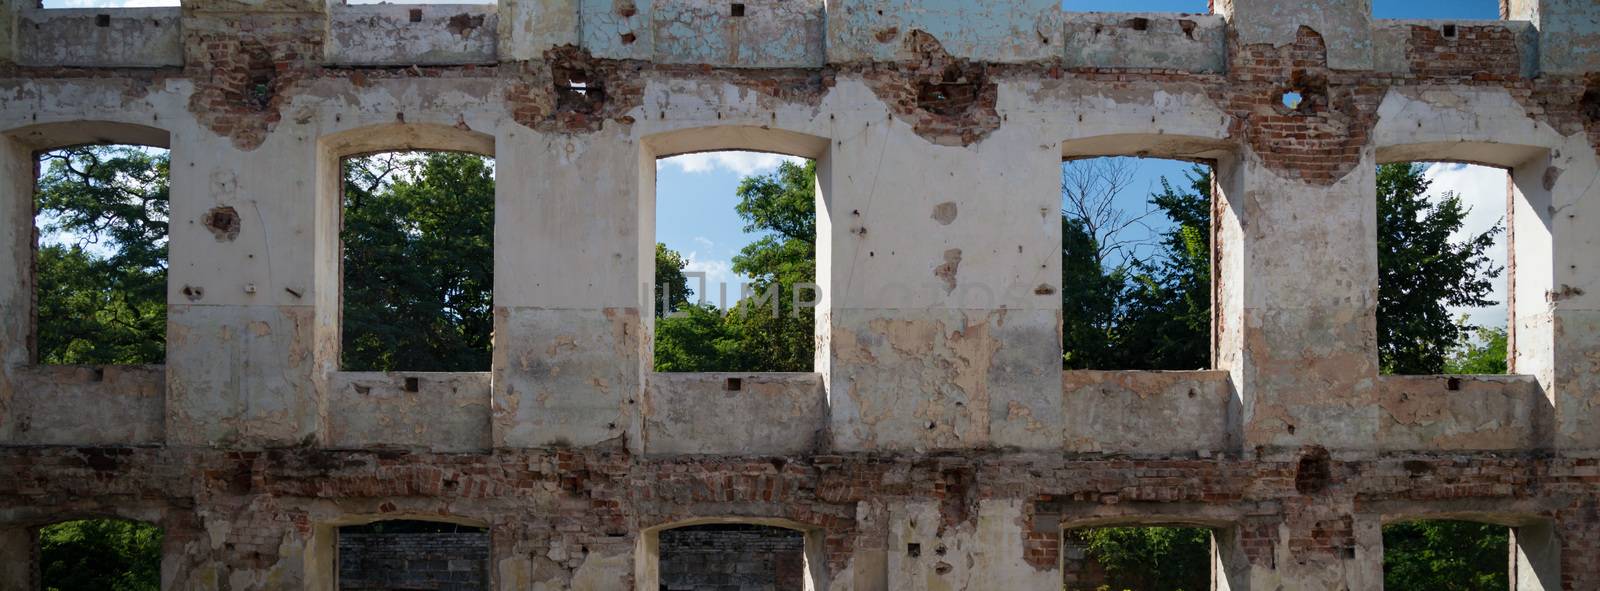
(442, 412)
(125, 37)
(398, 35)
(771, 414)
(77, 405)
(1477, 413)
(925, 451)
(1109, 411)
(1190, 43)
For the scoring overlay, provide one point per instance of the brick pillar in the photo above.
(1296, 238)
(16, 559)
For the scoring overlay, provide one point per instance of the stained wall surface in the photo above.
(937, 417)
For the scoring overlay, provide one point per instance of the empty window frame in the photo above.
(1137, 558)
(408, 554)
(100, 259)
(418, 262)
(1445, 554)
(735, 262)
(731, 556)
(1135, 264)
(1441, 268)
(100, 554)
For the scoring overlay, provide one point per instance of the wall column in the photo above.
(16, 559)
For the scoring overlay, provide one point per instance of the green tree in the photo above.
(1445, 556)
(1149, 558)
(101, 266)
(418, 262)
(100, 555)
(1089, 300)
(1139, 314)
(1167, 317)
(765, 332)
(1422, 272)
(1483, 354)
(670, 281)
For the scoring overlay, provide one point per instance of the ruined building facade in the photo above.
(937, 444)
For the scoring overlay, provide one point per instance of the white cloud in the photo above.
(739, 163)
(704, 242)
(1483, 190)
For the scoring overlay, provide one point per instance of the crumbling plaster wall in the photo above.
(937, 417)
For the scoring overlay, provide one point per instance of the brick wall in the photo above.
(373, 559)
(732, 558)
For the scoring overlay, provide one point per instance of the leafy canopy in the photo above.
(1154, 557)
(101, 265)
(418, 262)
(100, 555)
(1422, 272)
(1140, 314)
(1445, 556)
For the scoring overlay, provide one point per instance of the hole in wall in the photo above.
(412, 384)
(733, 384)
(952, 93)
(1137, 23)
(1313, 471)
(102, 20)
(1292, 99)
(416, 15)
(1452, 384)
(577, 91)
(736, 10)
(1449, 30)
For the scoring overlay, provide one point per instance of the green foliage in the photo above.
(100, 555)
(1142, 314)
(1149, 558)
(102, 263)
(765, 331)
(1445, 556)
(1422, 272)
(1483, 354)
(670, 281)
(418, 262)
